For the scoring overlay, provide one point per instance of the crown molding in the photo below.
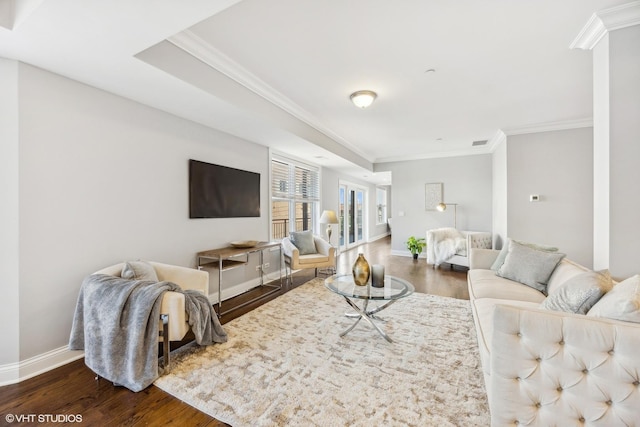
(496, 140)
(605, 21)
(549, 126)
(200, 49)
(458, 153)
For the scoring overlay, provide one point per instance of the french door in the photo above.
(352, 215)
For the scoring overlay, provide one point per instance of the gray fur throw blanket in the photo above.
(116, 324)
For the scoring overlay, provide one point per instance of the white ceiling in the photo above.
(280, 72)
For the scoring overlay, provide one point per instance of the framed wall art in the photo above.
(432, 195)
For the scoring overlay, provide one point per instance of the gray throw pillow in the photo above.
(503, 252)
(529, 266)
(303, 240)
(580, 293)
(139, 270)
(620, 303)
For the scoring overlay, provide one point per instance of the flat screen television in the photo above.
(222, 192)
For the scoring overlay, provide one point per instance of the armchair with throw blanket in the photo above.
(120, 311)
(454, 246)
(304, 250)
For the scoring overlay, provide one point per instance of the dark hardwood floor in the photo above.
(72, 389)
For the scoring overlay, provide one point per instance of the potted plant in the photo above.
(415, 246)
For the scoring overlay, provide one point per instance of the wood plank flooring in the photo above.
(72, 389)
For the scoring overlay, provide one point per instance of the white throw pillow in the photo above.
(620, 303)
(580, 293)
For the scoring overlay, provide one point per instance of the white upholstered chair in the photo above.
(172, 309)
(325, 256)
(451, 246)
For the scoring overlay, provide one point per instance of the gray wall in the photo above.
(9, 212)
(467, 181)
(558, 166)
(102, 180)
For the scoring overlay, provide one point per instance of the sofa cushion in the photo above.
(139, 270)
(485, 284)
(312, 258)
(529, 266)
(579, 293)
(621, 303)
(505, 249)
(483, 317)
(303, 240)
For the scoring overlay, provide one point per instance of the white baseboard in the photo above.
(407, 254)
(12, 373)
(378, 237)
(15, 372)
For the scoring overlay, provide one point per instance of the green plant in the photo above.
(416, 245)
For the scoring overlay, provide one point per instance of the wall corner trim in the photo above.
(607, 20)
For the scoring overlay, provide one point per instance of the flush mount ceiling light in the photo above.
(363, 98)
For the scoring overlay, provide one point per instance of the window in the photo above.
(295, 196)
(381, 205)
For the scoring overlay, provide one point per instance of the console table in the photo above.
(227, 258)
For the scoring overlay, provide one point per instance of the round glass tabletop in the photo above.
(394, 288)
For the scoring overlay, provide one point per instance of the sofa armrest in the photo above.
(323, 247)
(185, 277)
(290, 251)
(482, 258)
(556, 368)
(478, 239)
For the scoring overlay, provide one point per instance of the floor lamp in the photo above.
(443, 207)
(328, 217)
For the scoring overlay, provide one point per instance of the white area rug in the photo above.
(285, 364)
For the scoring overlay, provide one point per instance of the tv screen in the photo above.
(222, 192)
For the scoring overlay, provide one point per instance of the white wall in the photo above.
(601, 178)
(102, 180)
(9, 213)
(467, 181)
(558, 166)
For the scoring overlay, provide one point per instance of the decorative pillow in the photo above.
(139, 270)
(529, 266)
(580, 293)
(620, 303)
(303, 240)
(503, 252)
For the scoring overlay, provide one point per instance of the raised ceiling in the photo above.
(280, 72)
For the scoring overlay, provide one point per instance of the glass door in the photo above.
(352, 216)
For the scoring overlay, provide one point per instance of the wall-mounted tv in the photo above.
(222, 192)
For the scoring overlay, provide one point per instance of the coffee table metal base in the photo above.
(366, 315)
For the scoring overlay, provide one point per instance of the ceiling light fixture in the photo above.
(363, 98)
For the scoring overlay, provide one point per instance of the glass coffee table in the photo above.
(393, 290)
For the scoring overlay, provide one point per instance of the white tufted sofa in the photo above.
(551, 368)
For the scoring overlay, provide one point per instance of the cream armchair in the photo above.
(172, 309)
(324, 257)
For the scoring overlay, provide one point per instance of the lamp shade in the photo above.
(363, 98)
(328, 217)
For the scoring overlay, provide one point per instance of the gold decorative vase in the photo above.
(361, 271)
